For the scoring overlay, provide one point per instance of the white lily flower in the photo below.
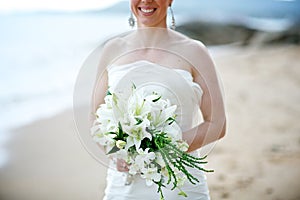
(138, 105)
(104, 112)
(105, 138)
(118, 108)
(108, 101)
(161, 114)
(105, 119)
(161, 111)
(123, 154)
(136, 133)
(159, 160)
(134, 169)
(174, 131)
(129, 142)
(144, 157)
(150, 174)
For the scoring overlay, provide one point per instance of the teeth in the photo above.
(147, 10)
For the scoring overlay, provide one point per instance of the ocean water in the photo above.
(40, 57)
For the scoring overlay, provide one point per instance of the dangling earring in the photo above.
(173, 25)
(131, 21)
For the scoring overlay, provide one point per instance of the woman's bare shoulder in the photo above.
(114, 44)
(195, 45)
(197, 54)
(187, 44)
(112, 49)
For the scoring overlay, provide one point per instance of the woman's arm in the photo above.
(99, 92)
(107, 54)
(212, 104)
(100, 89)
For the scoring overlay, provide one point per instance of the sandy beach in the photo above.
(259, 158)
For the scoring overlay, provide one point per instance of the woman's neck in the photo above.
(151, 37)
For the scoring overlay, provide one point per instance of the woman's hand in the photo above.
(122, 166)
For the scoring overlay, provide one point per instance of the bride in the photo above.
(152, 53)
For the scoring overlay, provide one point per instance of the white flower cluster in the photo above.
(127, 128)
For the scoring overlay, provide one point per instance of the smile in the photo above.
(147, 11)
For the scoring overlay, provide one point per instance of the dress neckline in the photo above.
(113, 66)
(121, 68)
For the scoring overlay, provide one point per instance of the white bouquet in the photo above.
(142, 130)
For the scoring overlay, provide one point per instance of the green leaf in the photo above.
(113, 150)
(155, 100)
(121, 133)
(182, 193)
(139, 121)
(108, 93)
(171, 120)
(115, 99)
(133, 86)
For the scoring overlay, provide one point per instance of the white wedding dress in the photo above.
(178, 85)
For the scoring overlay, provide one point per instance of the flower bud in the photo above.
(183, 146)
(120, 144)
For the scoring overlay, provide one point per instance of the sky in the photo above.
(63, 5)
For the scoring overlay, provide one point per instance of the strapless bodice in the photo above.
(175, 84)
(116, 72)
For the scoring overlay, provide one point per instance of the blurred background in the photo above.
(43, 44)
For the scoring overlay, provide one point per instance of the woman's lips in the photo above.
(147, 11)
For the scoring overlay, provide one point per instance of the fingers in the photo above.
(122, 166)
